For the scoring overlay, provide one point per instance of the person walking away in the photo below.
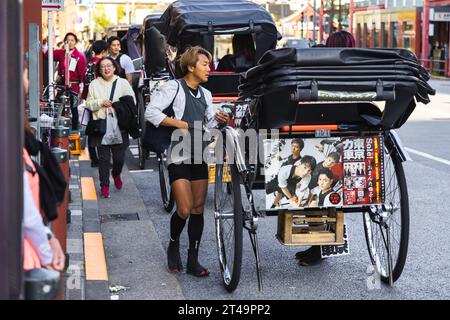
(100, 50)
(77, 70)
(106, 89)
(189, 181)
(124, 61)
(243, 57)
(341, 39)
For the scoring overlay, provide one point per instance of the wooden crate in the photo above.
(307, 228)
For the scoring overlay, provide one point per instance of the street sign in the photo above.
(53, 5)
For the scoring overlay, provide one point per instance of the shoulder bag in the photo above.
(158, 139)
(98, 127)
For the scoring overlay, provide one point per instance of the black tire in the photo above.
(396, 197)
(141, 109)
(166, 192)
(228, 229)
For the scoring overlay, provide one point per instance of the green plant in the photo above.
(100, 18)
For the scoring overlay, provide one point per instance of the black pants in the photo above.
(93, 154)
(74, 110)
(104, 156)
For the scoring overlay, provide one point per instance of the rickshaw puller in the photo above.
(189, 181)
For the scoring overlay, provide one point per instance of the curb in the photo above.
(73, 277)
(96, 284)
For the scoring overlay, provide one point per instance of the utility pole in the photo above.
(321, 22)
(350, 13)
(331, 17)
(11, 141)
(425, 33)
(340, 17)
(314, 21)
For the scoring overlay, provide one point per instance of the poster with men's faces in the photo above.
(323, 172)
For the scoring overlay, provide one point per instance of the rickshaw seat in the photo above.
(354, 113)
(223, 83)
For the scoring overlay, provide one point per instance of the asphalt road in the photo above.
(425, 276)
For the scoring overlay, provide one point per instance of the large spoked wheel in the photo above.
(143, 154)
(164, 183)
(228, 217)
(387, 226)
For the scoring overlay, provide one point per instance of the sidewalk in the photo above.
(115, 241)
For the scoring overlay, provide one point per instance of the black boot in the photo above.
(312, 257)
(173, 256)
(193, 267)
(301, 254)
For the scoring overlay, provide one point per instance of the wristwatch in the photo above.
(49, 235)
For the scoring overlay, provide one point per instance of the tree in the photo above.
(120, 13)
(100, 18)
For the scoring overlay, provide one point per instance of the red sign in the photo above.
(363, 162)
(53, 5)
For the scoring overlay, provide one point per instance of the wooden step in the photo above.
(321, 227)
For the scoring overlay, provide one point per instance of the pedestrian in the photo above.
(124, 61)
(100, 50)
(40, 246)
(243, 57)
(340, 39)
(77, 70)
(38, 239)
(106, 89)
(189, 181)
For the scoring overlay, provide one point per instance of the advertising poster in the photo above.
(318, 172)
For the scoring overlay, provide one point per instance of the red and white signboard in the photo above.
(53, 5)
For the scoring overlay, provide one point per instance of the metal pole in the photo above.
(331, 17)
(350, 13)
(425, 33)
(314, 21)
(321, 22)
(11, 141)
(50, 58)
(33, 67)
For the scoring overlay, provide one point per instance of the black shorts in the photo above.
(187, 171)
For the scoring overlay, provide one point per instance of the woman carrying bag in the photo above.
(108, 138)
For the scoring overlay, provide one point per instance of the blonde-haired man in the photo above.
(189, 181)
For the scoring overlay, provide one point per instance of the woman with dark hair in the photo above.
(341, 39)
(77, 70)
(106, 89)
(243, 57)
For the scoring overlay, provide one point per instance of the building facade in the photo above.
(422, 26)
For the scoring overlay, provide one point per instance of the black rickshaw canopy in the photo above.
(185, 22)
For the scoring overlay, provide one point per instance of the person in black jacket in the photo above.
(341, 39)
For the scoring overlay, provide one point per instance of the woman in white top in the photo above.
(98, 101)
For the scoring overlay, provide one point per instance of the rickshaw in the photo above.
(154, 73)
(189, 23)
(320, 94)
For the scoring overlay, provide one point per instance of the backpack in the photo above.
(52, 182)
(122, 73)
(90, 73)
